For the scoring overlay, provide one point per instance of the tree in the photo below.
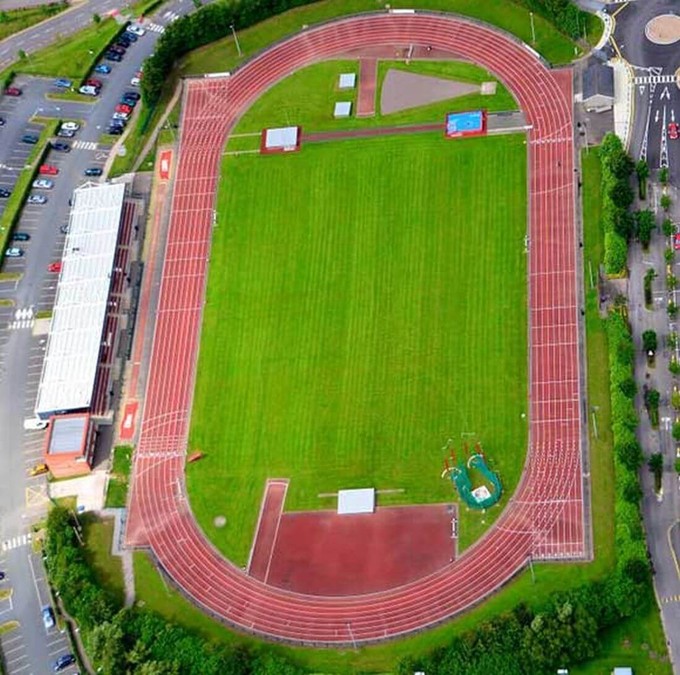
(674, 366)
(671, 282)
(676, 431)
(642, 171)
(107, 649)
(663, 176)
(669, 255)
(22, 55)
(4, 17)
(644, 221)
(677, 465)
(668, 227)
(649, 341)
(672, 309)
(665, 202)
(96, 18)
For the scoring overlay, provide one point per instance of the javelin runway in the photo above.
(544, 519)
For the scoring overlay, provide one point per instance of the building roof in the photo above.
(356, 501)
(598, 80)
(342, 109)
(282, 137)
(72, 352)
(347, 81)
(67, 433)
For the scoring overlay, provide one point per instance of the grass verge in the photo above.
(8, 626)
(116, 493)
(98, 535)
(22, 187)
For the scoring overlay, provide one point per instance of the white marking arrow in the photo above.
(665, 94)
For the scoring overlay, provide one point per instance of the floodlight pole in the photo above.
(238, 46)
(533, 29)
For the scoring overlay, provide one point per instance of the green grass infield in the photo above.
(366, 302)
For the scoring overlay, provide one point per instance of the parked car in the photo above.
(71, 126)
(12, 91)
(64, 228)
(48, 617)
(117, 123)
(14, 252)
(89, 90)
(94, 82)
(60, 146)
(130, 36)
(36, 199)
(122, 108)
(20, 236)
(35, 423)
(66, 133)
(48, 170)
(117, 49)
(113, 56)
(64, 661)
(93, 171)
(63, 83)
(54, 267)
(135, 29)
(115, 131)
(2, 575)
(132, 94)
(123, 42)
(120, 116)
(32, 139)
(676, 241)
(4, 193)
(43, 184)
(126, 100)
(103, 69)
(135, 81)
(673, 131)
(38, 469)
(2, 122)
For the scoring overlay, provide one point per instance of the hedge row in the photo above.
(564, 14)
(125, 641)
(617, 196)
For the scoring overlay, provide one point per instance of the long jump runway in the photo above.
(545, 517)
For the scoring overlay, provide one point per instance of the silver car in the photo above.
(36, 199)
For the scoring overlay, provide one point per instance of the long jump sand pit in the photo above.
(323, 553)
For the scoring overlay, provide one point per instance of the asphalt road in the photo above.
(657, 100)
(29, 649)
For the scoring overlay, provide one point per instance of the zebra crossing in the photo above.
(670, 598)
(84, 145)
(16, 542)
(23, 318)
(155, 27)
(655, 79)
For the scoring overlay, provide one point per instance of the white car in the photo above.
(135, 81)
(121, 116)
(136, 29)
(35, 424)
(70, 126)
(89, 90)
(43, 184)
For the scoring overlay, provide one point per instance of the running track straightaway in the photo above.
(545, 517)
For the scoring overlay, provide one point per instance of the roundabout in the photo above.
(545, 519)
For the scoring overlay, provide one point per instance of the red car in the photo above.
(676, 241)
(121, 107)
(54, 267)
(12, 91)
(94, 82)
(48, 170)
(673, 131)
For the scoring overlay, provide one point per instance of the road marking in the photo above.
(16, 542)
(156, 28)
(84, 145)
(670, 598)
(21, 324)
(654, 79)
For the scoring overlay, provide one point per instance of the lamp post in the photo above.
(238, 46)
(533, 29)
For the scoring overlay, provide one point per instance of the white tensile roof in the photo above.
(282, 137)
(72, 352)
(347, 81)
(356, 501)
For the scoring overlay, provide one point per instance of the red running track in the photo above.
(545, 517)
